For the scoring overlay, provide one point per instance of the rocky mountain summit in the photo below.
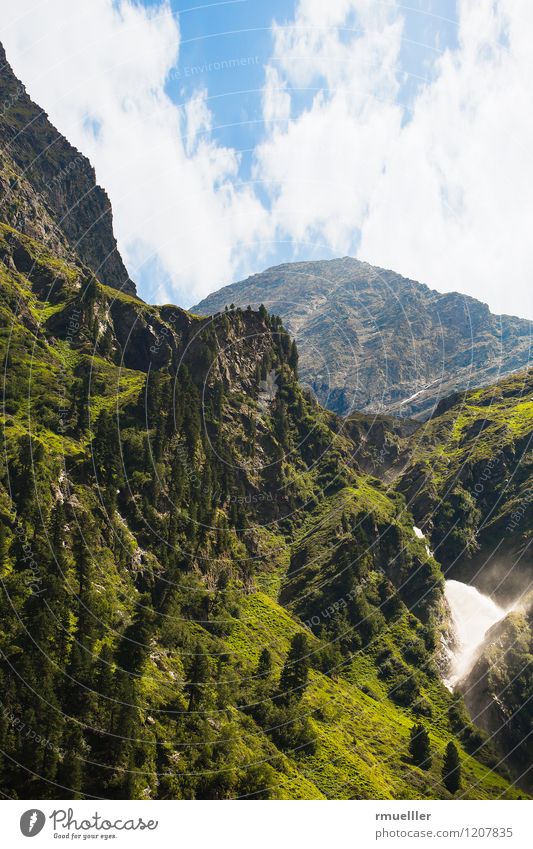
(371, 340)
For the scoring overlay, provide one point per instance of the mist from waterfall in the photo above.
(472, 615)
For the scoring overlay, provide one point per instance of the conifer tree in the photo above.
(451, 768)
(70, 774)
(3, 548)
(293, 356)
(199, 674)
(81, 400)
(419, 746)
(107, 458)
(295, 672)
(264, 665)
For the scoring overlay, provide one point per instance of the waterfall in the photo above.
(472, 615)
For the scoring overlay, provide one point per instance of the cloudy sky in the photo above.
(235, 135)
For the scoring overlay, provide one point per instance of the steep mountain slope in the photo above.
(468, 481)
(205, 592)
(158, 503)
(60, 179)
(371, 340)
(467, 475)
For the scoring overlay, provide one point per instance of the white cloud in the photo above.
(99, 68)
(454, 205)
(322, 166)
(444, 196)
(441, 194)
(276, 98)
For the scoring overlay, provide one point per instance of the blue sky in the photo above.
(215, 34)
(232, 136)
(212, 33)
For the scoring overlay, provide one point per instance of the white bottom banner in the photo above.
(254, 825)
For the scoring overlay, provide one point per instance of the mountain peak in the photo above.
(373, 340)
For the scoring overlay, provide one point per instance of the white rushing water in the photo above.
(472, 615)
(421, 535)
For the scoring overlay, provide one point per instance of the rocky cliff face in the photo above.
(62, 181)
(371, 340)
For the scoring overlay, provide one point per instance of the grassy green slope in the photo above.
(362, 735)
(161, 576)
(468, 480)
